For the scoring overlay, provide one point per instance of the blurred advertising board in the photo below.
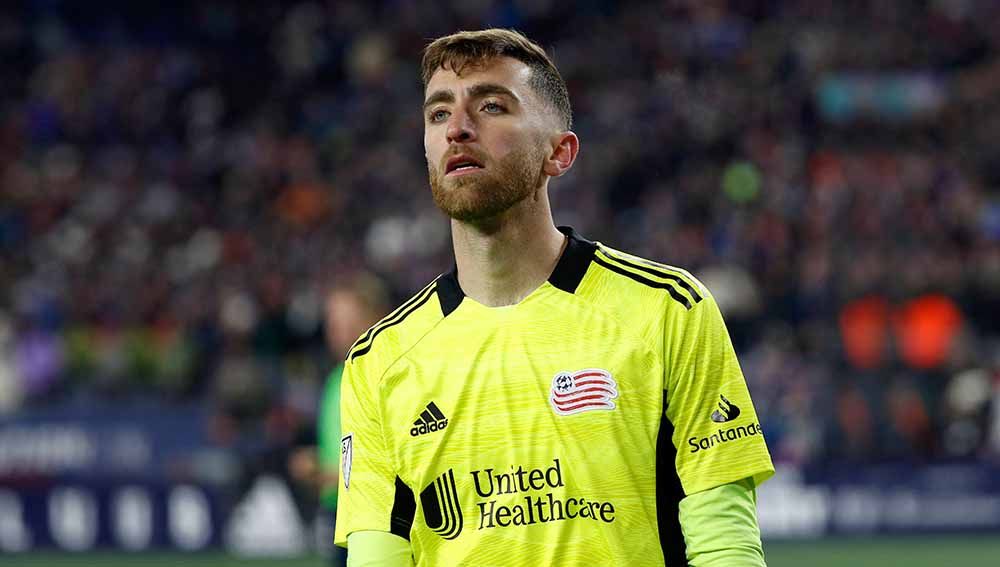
(86, 514)
(880, 499)
(100, 441)
(134, 515)
(132, 480)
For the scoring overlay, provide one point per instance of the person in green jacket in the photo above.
(351, 307)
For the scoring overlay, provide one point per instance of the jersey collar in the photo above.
(568, 273)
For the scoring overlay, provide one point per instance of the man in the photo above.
(550, 401)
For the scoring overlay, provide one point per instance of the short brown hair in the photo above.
(465, 48)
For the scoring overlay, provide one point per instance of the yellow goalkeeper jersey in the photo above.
(562, 430)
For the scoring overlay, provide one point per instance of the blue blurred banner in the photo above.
(113, 480)
(87, 513)
(128, 478)
(890, 499)
(99, 441)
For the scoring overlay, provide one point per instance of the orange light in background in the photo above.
(303, 204)
(864, 329)
(925, 330)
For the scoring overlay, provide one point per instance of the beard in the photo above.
(482, 196)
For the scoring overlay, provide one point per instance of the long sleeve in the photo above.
(378, 549)
(720, 526)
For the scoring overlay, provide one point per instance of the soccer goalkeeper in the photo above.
(551, 400)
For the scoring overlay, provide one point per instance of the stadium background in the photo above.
(182, 185)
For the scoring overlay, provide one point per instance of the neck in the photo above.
(503, 259)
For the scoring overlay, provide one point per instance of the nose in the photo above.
(460, 127)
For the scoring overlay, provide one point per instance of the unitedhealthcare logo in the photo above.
(442, 511)
(521, 497)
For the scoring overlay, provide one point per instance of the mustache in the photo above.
(478, 156)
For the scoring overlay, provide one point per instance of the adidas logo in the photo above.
(430, 420)
(727, 411)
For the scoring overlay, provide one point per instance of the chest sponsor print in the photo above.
(520, 496)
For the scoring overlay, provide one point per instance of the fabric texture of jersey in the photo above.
(563, 430)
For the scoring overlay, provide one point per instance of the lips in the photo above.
(462, 163)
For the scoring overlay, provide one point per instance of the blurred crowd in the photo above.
(184, 185)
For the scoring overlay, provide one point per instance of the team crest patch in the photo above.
(583, 390)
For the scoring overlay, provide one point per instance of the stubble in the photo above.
(487, 194)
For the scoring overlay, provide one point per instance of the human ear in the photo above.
(565, 146)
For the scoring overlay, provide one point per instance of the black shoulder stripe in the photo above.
(394, 321)
(661, 272)
(374, 328)
(636, 277)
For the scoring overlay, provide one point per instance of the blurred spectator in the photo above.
(352, 306)
(10, 387)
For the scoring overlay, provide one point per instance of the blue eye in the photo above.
(438, 115)
(493, 108)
